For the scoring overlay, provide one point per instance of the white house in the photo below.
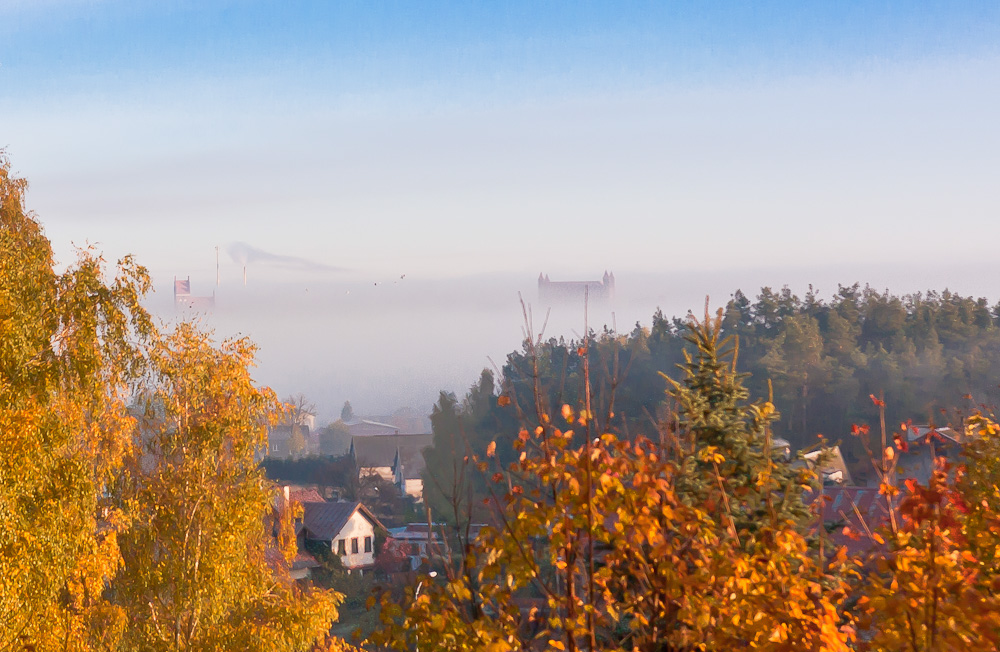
(348, 528)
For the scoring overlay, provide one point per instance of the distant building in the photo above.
(184, 300)
(560, 292)
(279, 440)
(782, 447)
(409, 465)
(398, 459)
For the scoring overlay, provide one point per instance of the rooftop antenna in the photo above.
(216, 265)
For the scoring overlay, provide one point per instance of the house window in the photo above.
(341, 546)
(354, 546)
(368, 544)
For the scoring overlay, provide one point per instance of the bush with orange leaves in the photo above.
(935, 582)
(597, 545)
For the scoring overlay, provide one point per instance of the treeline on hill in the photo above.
(702, 537)
(924, 353)
(133, 514)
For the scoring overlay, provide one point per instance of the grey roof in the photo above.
(324, 521)
(284, 432)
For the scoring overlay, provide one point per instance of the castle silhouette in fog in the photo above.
(560, 292)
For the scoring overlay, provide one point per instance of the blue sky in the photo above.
(451, 126)
(818, 142)
(375, 45)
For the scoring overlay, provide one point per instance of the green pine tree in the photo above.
(724, 440)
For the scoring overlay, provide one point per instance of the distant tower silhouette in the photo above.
(182, 291)
(183, 298)
(561, 292)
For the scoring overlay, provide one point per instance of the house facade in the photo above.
(831, 468)
(347, 528)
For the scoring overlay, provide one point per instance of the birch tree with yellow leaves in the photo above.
(132, 510)
(70, 347)
(196, 574)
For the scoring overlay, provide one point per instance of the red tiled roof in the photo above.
(303, 496)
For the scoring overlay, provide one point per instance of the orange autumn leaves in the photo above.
(691, 541)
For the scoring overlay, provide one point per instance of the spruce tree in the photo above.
(724, 443)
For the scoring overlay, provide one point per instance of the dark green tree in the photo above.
(724, 441)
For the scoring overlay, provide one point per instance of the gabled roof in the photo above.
(304, 560)
(324, 521)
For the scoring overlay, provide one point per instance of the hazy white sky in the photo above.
(453, 140)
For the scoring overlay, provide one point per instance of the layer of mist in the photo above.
(396, 341)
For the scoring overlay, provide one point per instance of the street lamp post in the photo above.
(416, 594)
(432, 575)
